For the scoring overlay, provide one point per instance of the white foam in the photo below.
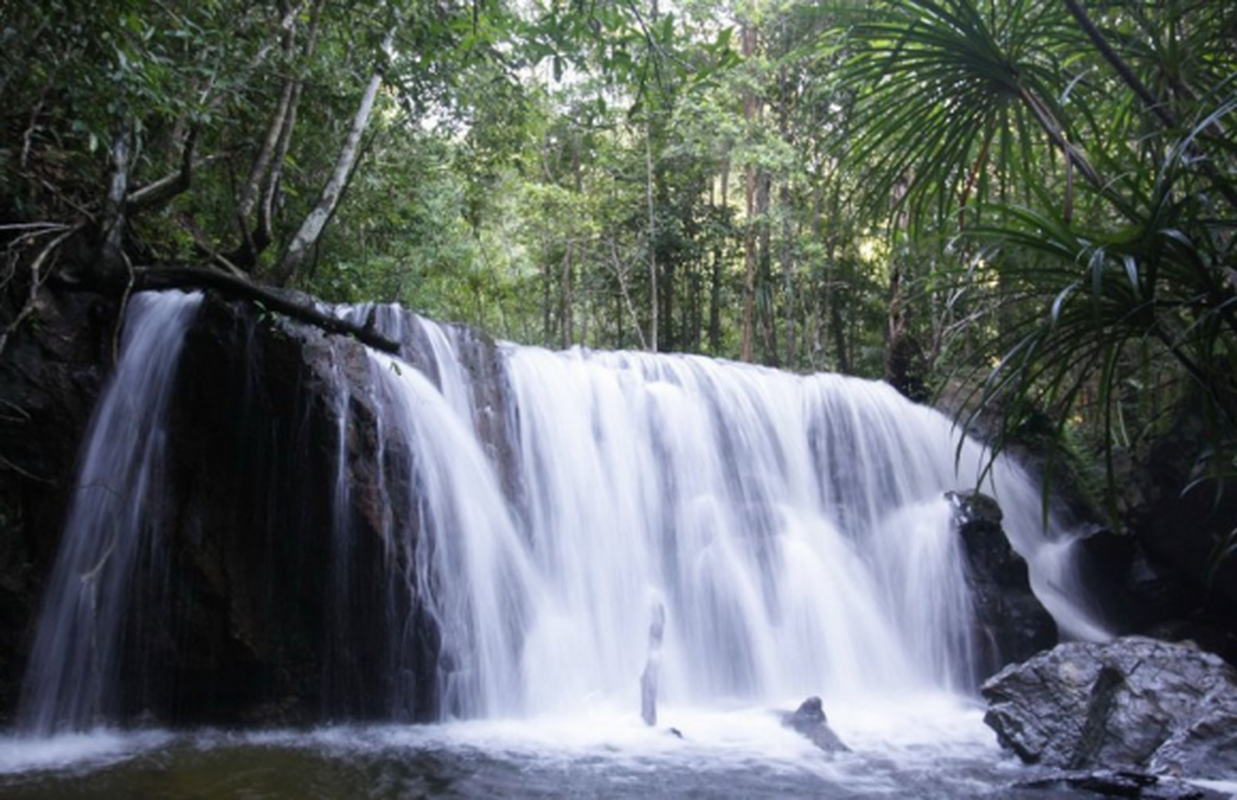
(75, 751)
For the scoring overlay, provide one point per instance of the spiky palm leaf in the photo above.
(1101, 229)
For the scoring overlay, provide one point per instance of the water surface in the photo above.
(928, 746)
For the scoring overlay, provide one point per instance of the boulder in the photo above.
(1011, 624)
(809, 720)
(1131, 704)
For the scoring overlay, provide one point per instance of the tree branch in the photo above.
(157, 278)
(169, 186)
(315, 222)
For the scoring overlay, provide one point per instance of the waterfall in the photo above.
(793, 528)
(116, 513)
(531, 512)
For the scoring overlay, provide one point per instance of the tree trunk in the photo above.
(311, 229)
(764, 271)
(751, 113)
(715, 288)
(111, 252)
(652, 244)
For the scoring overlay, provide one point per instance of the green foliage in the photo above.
(1085, 235)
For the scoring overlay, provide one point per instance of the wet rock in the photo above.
(51, 372)
(1208, 747)
(286, 589)
(652, 667)
(1134, 703)
(810, 721)
(1120, 783)
(1011, 623)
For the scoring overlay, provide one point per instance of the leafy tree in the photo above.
(220, 135)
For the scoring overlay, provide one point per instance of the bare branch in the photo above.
(169, 186)
(316, 221)
(156, 278)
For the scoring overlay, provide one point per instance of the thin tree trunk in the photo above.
(263, 230)
(311, 229)
(565, 327)
(787, 259)
(262, 161)
(751, 112)
(648, 187)
(816, 350)
(111, 253)
(715, 289)
(619, 272)
(764, 270)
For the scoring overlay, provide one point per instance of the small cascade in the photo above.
(110, 539)
(501, 519)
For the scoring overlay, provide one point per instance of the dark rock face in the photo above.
(290, 601)
(51, 373)
(1011, 623)
(1175, 516)
(809, 720)
(1134, 703)
(278, 589)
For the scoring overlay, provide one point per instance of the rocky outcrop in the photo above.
(1134, 703)
(1010, 622)
(292, 537)
(1176, 512)
(275, 591)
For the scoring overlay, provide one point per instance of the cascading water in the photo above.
(112, 526)
(792, 529)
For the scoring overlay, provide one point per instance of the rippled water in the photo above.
(924, 746)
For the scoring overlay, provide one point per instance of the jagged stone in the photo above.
(1011, 624)
(1134, 703)
(810, 721)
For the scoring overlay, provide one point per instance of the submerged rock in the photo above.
(810, 721)
(1120, 783)
(1134, 703)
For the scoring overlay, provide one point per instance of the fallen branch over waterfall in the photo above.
(157, 278)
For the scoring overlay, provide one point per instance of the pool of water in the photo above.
(923, 747)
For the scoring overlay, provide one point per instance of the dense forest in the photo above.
(1025, 206)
